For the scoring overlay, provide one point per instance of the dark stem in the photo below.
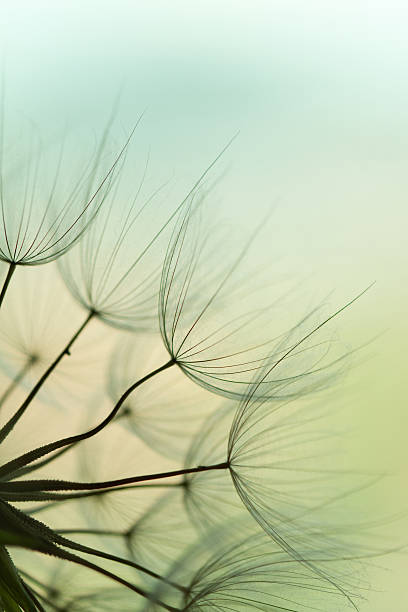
(37, 453)
(61, 497)
(39, 464)
(28, 486)
(12, 267)
(48, 541)
(32, 594)
(7, 428)
(99, 553)
(63, 554)
(41, 596)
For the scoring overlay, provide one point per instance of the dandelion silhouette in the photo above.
(49, 241)
(114, 271)
(40, 222)
(216, 335)
(252, 463)
(234, 567)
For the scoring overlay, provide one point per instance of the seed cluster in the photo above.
(174, 448)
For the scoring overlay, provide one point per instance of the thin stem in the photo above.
(49, 542)
(32, 590)
(40, 464)
(99, 553)
(33, 596)
(40, 595)
(61, 497)
(7, 428)
(26, 486)
(12, 267)
(63, 554)
(19, 462)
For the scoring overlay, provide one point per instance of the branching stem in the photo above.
(15, 464)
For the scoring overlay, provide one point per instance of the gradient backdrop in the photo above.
(319, 92)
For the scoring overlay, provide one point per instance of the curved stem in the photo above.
(63, 554)
(28, 486)
(7, 428)
(32, 468)
(10, 272)
(46, 540)
(37, 453)
(33, 596)
(40, 596)
(99, 553)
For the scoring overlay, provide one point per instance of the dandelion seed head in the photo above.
(220, 333)
(45, 206)
(115, 270)
(255, 516)
(236, 568)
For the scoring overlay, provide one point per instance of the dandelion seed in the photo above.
(115, 270)
(234, 568)
(216, 335)
(113, 525)
(279, 459)
(43, 214)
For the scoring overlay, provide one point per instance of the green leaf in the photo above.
(13, 595)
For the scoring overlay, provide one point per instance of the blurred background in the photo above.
(319, 94)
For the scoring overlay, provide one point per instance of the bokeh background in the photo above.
(319, 94)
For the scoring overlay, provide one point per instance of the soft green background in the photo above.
(319, 92)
